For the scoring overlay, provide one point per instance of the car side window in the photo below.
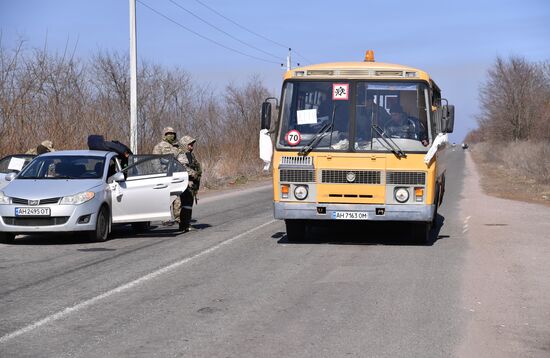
(153, 165)
(112, 168)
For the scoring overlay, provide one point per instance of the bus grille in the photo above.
(304, 161)
(406, 178)
(297, 175)
(341, 176)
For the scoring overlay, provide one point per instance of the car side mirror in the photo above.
(118, 177)
(448, 118)
(10, 176)
(266, 116)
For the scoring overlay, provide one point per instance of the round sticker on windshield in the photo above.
(293, 137)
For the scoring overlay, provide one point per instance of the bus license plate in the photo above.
(32, 211)
(350, 215)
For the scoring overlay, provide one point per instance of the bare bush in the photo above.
(64, 99)
(514, 101)
(526, 159)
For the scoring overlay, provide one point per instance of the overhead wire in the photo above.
(251, 31)
(204, 37)
(222, 31)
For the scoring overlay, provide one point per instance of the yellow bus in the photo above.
(357, 141)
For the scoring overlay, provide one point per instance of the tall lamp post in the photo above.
(133, 78)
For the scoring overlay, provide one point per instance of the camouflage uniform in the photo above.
(170, 147)
(44, 147)
(188, 159)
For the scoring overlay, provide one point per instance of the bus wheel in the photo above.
(295, 230)
(422, 233)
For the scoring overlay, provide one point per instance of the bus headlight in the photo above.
(300, 192)
(401, 195)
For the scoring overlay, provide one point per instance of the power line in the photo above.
(204, 37)
(251, 31)
(222, 31)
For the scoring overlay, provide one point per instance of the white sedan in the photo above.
(88, 191)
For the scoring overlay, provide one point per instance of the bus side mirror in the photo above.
(438, 120)
(448, 118)
(266, 116)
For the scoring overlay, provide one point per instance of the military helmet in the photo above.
(187, 139)
(167, 130)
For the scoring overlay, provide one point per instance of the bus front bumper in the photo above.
(313, 211)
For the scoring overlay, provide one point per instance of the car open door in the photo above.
(144, 195)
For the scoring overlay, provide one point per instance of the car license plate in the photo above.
(32, 211)
(350, 215)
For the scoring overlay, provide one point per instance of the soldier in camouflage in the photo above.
(188, 159)
(170, 145)
(45, 147)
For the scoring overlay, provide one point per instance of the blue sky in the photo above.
(455, 41)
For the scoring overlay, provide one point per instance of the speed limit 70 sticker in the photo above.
(293, 137)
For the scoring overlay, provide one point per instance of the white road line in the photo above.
(127, 286)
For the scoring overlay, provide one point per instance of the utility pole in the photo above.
(289, 60)
(133, 78)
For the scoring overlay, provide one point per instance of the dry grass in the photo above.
(517, 171)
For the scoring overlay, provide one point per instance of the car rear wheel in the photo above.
(101, 232)
(141, 226)
(7, 238)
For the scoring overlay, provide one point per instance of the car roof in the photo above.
(84, 153)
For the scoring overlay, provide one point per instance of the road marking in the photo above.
(127, 286)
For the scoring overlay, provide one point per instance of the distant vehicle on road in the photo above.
(13, 164)
(87, 191)
(464, 146)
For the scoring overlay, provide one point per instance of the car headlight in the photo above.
(76, 199)
(4, 199)
(300, 192)
(401, 194)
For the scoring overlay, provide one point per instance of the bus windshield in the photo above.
(358, 120)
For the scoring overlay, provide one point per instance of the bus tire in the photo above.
(422, 233)
(436, 203)
(295, 230)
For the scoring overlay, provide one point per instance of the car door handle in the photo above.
(160, 186)
(178, 180)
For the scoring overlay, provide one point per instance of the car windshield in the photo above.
(64, 167)
(345, 116)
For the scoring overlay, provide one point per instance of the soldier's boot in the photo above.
(185, 219)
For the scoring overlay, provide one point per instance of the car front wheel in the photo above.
(101, 232)
(7, 238)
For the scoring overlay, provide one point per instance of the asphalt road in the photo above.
(236, 288)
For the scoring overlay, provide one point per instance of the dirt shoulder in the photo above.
(496, 180)
(506, 291)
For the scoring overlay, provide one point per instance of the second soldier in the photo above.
(170, 145)
(188, 159)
